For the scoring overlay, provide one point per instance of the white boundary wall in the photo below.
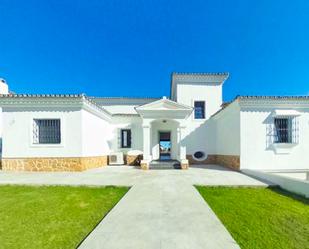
(293, 185)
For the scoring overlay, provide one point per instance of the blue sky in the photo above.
(130, 48)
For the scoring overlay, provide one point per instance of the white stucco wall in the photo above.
(127, 122)
(257, 154)
(197, 137)
(226, 127)
(210, 138)
(18, 128)
(199, 133)
(97, 135)
(210, 93)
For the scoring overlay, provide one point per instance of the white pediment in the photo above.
(164, 104)
(164, 108)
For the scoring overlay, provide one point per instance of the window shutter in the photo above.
(35, 132)
(46, 131)
(129, 137)
(269, 134)
(124, 139)
(295, 128)
(119, 138)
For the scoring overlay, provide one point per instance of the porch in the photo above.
(164, 124)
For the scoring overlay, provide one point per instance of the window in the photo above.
(126, 138)
(199, 109)
(283, 130)
(46, 131)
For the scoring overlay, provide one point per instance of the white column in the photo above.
(182, 147)
(184, 163)
(146, 142)
(178, 143)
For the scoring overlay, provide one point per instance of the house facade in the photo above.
(191, 126)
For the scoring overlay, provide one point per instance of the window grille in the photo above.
(199, 109)
(46, 131)
(283, 130)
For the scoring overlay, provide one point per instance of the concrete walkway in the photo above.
(129, 176)
(161, 210)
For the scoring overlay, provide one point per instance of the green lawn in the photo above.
(54, 216)
(261, 218)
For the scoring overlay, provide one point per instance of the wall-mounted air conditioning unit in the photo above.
(116, 158)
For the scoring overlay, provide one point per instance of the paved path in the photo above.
(129, 176)
(161, 210)
(165, 212)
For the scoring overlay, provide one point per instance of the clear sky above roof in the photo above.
(130, 48)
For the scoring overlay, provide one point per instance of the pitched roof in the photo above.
(122, 97)
(122, 105)
(103, 104)
(123, 100)
(8, 98)
(14, 95)
(274, 97)
(202, 73)
(261, 98)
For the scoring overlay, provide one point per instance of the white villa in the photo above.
(191, 126)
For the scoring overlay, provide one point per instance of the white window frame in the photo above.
(205, 111)
(121, 142)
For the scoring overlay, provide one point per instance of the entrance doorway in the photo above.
(165, 145)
